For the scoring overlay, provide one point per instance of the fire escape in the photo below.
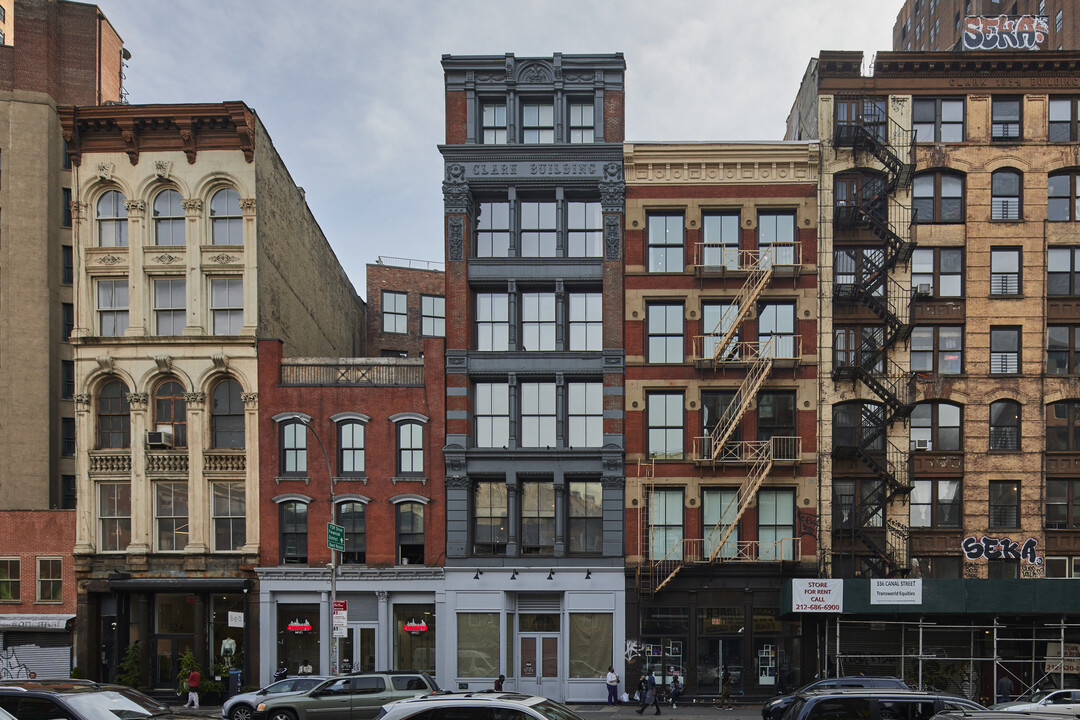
(870, 132)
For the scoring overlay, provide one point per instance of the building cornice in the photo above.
(720, 163)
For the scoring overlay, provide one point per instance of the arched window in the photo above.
(227, 417)
(410, 448)
(114, 416)
(112, 219)
(858, 424)
(410, 533)
(351, 448)
(226, 221)
(170, 411)
(168, 218)
(938, 197)
(294, 526)
(293, 448)
(1005, 196)
(935, 426)
(1005, 425)
(1062, 198)
(353, 517)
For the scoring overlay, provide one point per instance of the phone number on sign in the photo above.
(817, 607)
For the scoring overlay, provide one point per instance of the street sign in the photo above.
(335, 537)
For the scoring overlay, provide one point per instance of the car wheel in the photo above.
(240, 712)
(281, 715)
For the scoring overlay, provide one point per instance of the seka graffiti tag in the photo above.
(1001, 549)
(1023, 32)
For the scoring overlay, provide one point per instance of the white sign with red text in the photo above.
(817, 595)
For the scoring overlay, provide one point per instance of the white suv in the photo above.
(483, 705)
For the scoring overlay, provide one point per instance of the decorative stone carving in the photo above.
(163, 362)
(250, 400)
(612, 196)
(82, 400)
(106, 363)
(229, 461)
(382, 595)
(456, 195)
(455, 464)
(247, 204)
(457, 482)
(163, 168)
(612, 464)
(612, 238)
(455, 240)
(194, 398)
(109, 260)
(192, 205)
(166, 259)
(167, 462)
(613, 482)
(222, 259)
(535, 74)
(135, 206)
(78, 210)
(221, 361)
(105, 171)
(138, 400)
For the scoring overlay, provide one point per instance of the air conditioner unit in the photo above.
(923, 289)
(923, 445)
(159, 439)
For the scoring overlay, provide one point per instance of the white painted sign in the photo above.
(896, 592)
(341, 618)
(236, 619)
(817, 595)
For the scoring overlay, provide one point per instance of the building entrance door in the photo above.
(538, 673)
(357, 649)
(167, 652)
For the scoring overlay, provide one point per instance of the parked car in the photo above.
(349, 697)
(875, 703)
(63, 699)
(240, 707)
(774, 708)
(482, 704)
(993, 715)
(1057, 702)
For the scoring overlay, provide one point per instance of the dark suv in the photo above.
(349, 697)
(77, 700)
(774, 708)
(870, 704)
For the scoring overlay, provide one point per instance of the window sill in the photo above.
(1006, 296)
(351, 478)
(48, 602)
(292, 478)
(1007, 220)
(409, 479)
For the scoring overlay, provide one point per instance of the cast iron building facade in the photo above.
(534, 417)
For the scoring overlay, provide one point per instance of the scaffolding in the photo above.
(964, 659)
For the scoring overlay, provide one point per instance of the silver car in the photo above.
(240, 707)
(482, 704)
(1064, 702)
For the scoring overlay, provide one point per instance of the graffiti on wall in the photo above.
(633, 650)
(10, 667)
(1004, 32)
(993, 548)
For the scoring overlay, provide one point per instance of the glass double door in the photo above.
(357, 649)
(538, 665)
(167, 652)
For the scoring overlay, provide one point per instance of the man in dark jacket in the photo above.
(649, 696)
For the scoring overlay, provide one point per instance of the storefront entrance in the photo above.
(167, 652)
(538, 665)
(357, 648)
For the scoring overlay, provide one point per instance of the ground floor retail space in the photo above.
(35, 643)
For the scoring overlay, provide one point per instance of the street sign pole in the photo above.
(334, 548)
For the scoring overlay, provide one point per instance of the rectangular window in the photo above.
(494, 123)
(937, 350)
(665, 240)
(585, 410)
(10, 580)
(395, 312)
(665, 524)
(719, 507)
(538, 414)
(112, 296)
(170, 306)
(67, 276)
(717, 409)
(1005, 186)
(1004, 504)
(940, 567)
(582, 124)
(492, 415)
(1063, 350)
(1004, 350)
(352, 516)
(716, 320)
(776, 415)
(490, 524)
(493, 230)
(586, 321)
(585, 518)
(1058, 22)
(477, 646)
(227, 305)
(50, 580)
(351, 459)
(720, 247)
(538, 518)
(776, 237)
(664, 324)
(65, 207)
(537, 321)
(433, 316)
(114, 515)
(67, 492)
(1005, 119)
(1062, 504)
(67, 323)
(537, 123)
(664, 413)
(1062, 120)
(539, 229)
(776, 330)
(293, 544)
(776, 525)
(171, 515)
(591, 642)
(937, 272)
(1005, 271)
(229, 510)
(585, 229)
(1063, 271)
(410, 449)
(492, 321)
(935, 504)
(67, 439)
(293, 459)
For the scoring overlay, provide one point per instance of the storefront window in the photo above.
(478, 645)
(226, 639)
(590, 644)
(175, 614)
(664, 632)
(414, 637)
(719, 643)
(542, 622)
(298, 636)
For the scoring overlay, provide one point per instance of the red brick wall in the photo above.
(457, 118)
(379, 403)
(398, 279)
(28, 535)
(614, 117)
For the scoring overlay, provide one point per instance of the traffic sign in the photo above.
(335, 537)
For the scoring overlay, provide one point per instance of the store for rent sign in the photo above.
(1055, 658)
(817, 595)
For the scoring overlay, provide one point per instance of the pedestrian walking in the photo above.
(1004, 689)
(649, 695)
(725, 689)
(193, 689)
(612, 681)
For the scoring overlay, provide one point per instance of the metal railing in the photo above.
(716, 257)
(776, 347)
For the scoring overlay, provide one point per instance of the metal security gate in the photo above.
(46, 653)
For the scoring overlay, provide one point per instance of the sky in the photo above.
(351, 91)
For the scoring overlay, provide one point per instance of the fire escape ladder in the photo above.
(885, 139)
(759, 273)
(728, 422)
(892, 466)
(889, 557)
(646, 580)
(760, 467)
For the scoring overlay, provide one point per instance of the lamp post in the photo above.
(332, 566)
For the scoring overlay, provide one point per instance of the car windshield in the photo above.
(112, 704)
(1036, 697)
(554, 711)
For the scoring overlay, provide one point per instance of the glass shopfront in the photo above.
(298, 637)
(414, 637)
